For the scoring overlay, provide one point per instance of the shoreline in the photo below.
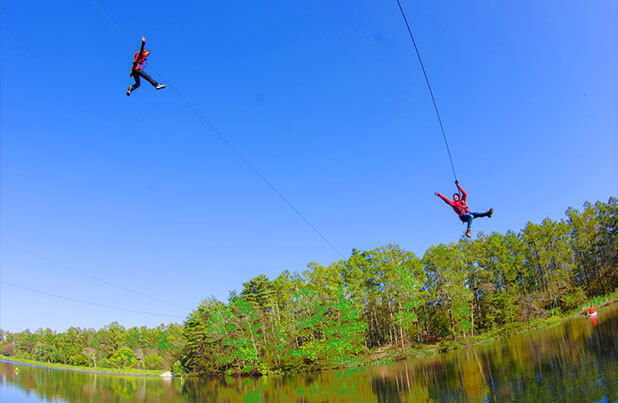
(386, 355)
(497, 335)
(88, 370)
(380, 356)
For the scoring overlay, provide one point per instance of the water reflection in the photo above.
(571, 362)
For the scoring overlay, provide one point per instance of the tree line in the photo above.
(335, 315)
(112, 346)
(332, 315)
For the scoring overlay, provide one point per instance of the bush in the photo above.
(123, 358)
(178, 369)
(8, 349)
(105, 363)
(572, 300)
(79, 360)
(153, 361)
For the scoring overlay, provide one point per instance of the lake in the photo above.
(573, 361)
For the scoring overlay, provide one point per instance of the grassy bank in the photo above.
(90, 370)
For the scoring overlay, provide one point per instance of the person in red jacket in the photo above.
(461, 208)
(137, 72)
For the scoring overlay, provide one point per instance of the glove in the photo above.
(456, 182)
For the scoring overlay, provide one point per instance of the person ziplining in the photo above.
(459, 202)
(461, 208)
(137, 71)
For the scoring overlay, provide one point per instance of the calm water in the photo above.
(573, 362)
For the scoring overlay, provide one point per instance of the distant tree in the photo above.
(8, 349)
(91, 354)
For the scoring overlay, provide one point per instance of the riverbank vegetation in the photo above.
(111, 347)
(82, 368)
(385, 302)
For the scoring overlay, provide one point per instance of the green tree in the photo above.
(153, 361)
(123, 358)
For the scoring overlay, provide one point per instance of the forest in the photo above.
(385, 298)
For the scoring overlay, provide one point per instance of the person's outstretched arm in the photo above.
(137, 56)
(464, 195)
(446, 199)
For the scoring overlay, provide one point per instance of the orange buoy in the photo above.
(593, 316)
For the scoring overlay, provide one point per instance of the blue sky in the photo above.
(326, 100)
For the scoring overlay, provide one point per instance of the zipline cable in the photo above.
(110, 21)
(226, 142)
(433, 98)
(49, 294)
(113, 285)
(150, 297)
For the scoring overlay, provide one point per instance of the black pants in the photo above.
(136, 75)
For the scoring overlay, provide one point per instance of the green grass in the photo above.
(78, 368)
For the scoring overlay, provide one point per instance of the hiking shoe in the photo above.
(468, 234)
(490, 212)
(129, 91)
(160, 86)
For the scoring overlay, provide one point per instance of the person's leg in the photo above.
(467, 218)
(147, 77)
(488, 213)
(137, 80)
(134, 86)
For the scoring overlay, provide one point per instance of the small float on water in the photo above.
(593, 315)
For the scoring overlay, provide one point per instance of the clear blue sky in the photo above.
(326, 99)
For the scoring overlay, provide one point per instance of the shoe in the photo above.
(129, 91)
(490, 212)
(160, 86)
(468, 234)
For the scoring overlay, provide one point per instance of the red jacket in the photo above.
(459, 206)
(139, 59)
